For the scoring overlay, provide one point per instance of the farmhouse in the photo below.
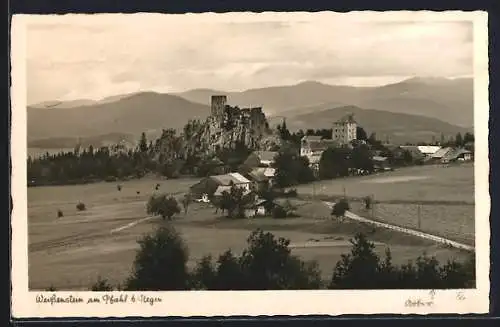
(380, 163)
(441, 153)
(457, 155)
(260, 159)
(209, 185)
(428, 150)
(313, 146)
(262, 178)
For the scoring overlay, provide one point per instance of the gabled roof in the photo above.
(322, 145)
(266, 155)
(310, 138)
(441, 152)
(262, 174)
(428, 149)
(226, 179)
(451, 155)
(222, 189)
(379, 158)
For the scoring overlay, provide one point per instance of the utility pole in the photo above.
(418, 216)
(373, 206)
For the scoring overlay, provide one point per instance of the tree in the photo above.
(459, 140)
(160, 263)
(235, 201)
(163, 206)
(186, 200)
(267, 264)
(339, 209)
(143, 143)
(358, 269)
(81, 206)
(361, 133)
(101, 285)
(361, 158)
(204, 275)
(334, 163)
(468, 138)
(283, 131)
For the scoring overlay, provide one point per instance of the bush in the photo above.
(81, 206)
(163, 206)
(266, 264)
(339, 209)
(101, 285)
(51, 289)
(59, 213)
(160, 263)
(363, 269)
(279, 212)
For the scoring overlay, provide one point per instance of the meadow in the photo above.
(72, 251)
(429, 183)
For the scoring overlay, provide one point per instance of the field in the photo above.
(72, 251)
(430, 183)
(434, 199)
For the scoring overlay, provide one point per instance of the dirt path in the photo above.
(409, 231)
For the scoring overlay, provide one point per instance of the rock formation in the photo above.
(226, 128)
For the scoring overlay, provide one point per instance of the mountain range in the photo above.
(413, 110)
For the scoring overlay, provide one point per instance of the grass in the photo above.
(435, 183)
(455, 222)
(71, 252)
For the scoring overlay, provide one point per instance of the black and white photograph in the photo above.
(326, 157)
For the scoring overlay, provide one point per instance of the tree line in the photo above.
(268, 264)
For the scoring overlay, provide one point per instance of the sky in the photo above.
(72, 57)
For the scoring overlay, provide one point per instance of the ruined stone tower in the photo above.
(218, 104)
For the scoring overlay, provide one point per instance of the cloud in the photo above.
(91, 56)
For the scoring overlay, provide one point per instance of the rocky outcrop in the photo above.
(233, 128)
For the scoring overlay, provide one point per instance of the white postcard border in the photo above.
(253, 303)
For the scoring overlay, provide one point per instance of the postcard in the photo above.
(244, 164)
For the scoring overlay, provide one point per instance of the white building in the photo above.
(344, 129)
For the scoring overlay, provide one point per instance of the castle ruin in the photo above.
(247, 125)
(219, 103)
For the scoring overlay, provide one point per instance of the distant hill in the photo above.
(450, 100)
(96, 141)
(142, 112)
(399, 128)
(413, 109)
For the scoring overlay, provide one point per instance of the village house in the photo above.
(441, 154)
(209, 185)
(262, 178)
(449, 154)
(380, 163)
(313, 147)
(457, 155)
(260, 159)
(428, 150)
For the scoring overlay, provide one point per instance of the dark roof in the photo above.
(349, 118)
(322, 144)
(258, 176)
(266, 155)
